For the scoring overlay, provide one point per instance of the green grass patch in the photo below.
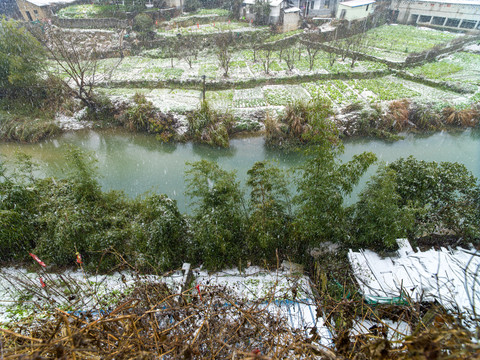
(209, 70)
(437, 70)
(89, 11)
(219, 12)
(406, 38)
(383, 88)
(166, 73)
(281, 36)
(238, 64)
(14, 127)
(248, 98)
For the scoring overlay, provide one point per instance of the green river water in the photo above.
(137, 163)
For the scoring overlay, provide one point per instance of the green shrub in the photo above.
(191, 5)
(270, 220)
(26, 129)
(142, 116)
(15, 235)
(21, 58)
(302, 123)
(138, 116)
(142, 23)
(218, 215)
(379, 217)
(163, 233)
(209, 126)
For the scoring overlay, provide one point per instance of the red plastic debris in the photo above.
(35, 257)
(42, 283)
(79, 258)
(198, 289)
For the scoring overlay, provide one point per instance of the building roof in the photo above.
(458, 2)
(291, 10)
(272, 2)
(355, 3)
(49, 2)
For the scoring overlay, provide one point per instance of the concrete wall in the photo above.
(354, 13)
(31, 12)
(437, 14)
(274, 14)
(174, 3)
(290, 21)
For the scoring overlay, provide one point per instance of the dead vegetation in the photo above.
(201, 323)
(404, 115)
(464, 118)
(212, 322)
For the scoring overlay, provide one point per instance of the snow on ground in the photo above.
(285, 293)
(448, 276)
(475, 48)
(73, 122)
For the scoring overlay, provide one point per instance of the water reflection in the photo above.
(139, 163)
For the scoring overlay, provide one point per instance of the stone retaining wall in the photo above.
(197, 84)
(106, 23)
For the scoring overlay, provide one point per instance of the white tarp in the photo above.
(448, 276)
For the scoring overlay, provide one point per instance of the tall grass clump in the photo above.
(205, 125)
(301, 123)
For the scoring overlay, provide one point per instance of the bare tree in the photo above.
(289, 57)
(79, 64)
(224, 43)
(265, 56)
(188, 49)
(255, 40)
(311, 42)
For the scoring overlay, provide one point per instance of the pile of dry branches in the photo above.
(201, 323)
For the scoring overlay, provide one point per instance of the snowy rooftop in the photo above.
(291, 10)
(49, 2)
(272, 2)
(446, 275)
(355, 3)
(457, 2)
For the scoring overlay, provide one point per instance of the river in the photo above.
(137, 163)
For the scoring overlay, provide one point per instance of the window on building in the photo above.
(366, 9)
(468, 24)
(29, 15)
(250, 9)
(343, 13)
(424, 18)
(35, 12)
(452, 22)
(413, 19)
(437, 20)
(326, 4)
(311, 4)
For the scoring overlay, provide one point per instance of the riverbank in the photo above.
(386, 120)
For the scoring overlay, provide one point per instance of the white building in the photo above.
(355, 9)
(281, 11)
(316, 8)
(445, 14)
